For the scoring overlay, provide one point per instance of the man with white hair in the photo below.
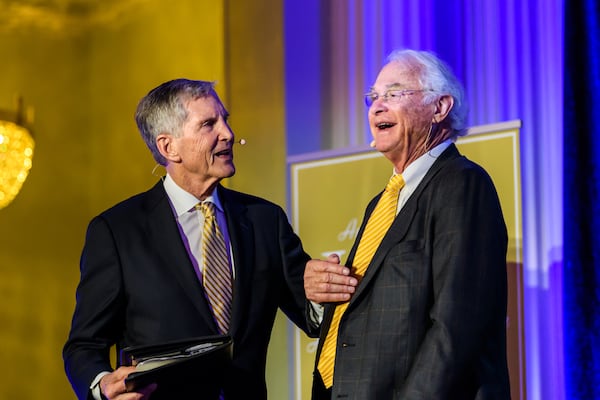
(427, 318)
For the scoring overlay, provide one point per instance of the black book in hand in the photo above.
(194, 361)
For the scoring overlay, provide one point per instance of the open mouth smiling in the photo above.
(227, 153)
(384, 125)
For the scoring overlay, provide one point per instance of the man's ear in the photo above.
(443, 105)
(167, 147)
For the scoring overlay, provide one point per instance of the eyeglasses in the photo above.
(391, 96)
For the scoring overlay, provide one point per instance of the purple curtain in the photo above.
(582, 199)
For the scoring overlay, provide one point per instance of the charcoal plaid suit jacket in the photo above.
(428, 319)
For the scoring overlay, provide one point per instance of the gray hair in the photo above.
(438, 77)
(163, 110)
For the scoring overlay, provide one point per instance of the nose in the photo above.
(378, 106)
(225, 133)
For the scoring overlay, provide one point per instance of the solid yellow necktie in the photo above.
(378, 224)
(217, 272)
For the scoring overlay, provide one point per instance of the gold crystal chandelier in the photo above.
(16, 152)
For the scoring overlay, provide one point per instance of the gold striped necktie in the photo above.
(217, 272)
(378, 224)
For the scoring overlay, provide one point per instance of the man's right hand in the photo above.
(326, 281)
(113, 387)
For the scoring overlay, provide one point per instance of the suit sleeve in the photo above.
(468, 261)
(96, 320)
(293, 299)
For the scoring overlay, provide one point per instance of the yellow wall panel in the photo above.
(83, 75)
(255, 77)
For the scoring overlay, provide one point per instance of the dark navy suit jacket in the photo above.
(138, 287)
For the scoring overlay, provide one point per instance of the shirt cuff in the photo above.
(95, 386)
(315, 313)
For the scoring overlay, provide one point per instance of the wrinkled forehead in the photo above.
(399, 74)
(208, 101)
(205, 109)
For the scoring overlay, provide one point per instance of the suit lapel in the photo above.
(401, 223)
(242, 239)
(165, 235)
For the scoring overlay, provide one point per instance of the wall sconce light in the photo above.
(16, 152)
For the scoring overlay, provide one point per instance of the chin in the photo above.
(229, 172)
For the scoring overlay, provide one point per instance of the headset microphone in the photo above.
(241, 141)
(372, 144)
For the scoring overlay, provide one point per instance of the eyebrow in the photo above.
(214, 118)
(391, 86)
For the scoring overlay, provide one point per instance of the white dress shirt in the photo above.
(415, 172)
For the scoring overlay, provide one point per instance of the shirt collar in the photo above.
(416, 170)
(184, 201)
